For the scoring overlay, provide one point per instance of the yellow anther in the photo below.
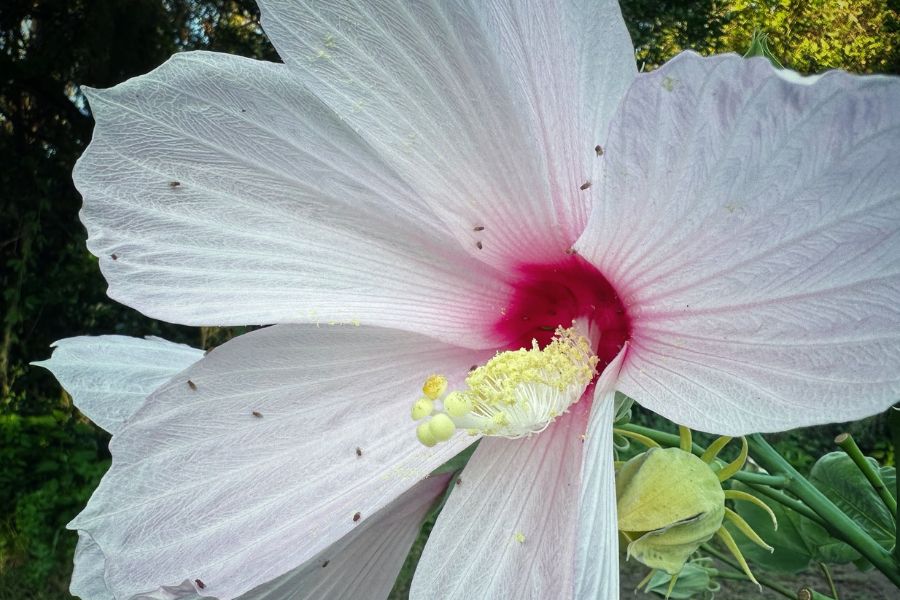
(457, 404)
(515, 394)
(423, 432)
(441, 427)
(423, 407)
(519, 537)
(434, 386)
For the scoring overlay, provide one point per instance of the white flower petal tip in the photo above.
(88, 581)
(87, 576)
(489, 110)
(274, 446)
(110, 376)
(508, 529)
(219, 190)
(751, 225)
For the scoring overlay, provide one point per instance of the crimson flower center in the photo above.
(551, 295)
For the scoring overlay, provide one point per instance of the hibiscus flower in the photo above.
(423, 185)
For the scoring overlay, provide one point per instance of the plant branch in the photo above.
(836, 522)
(894, 424)
(846, 441)
(827, 573)
(789, 502)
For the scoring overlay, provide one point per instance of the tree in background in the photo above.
(808, 36)
(51, 286)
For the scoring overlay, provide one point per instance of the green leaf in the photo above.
(693, 581)
(792, 551)
(826, 548)
(842, 482)
(838, 477)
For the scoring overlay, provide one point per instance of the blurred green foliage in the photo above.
(808, 36)
(51, 286)
(51, 463)
(51, 457)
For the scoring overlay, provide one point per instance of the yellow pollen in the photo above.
(434, 386)
(515, 394)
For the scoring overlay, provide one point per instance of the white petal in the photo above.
(508, 528)
(365, 563)
(597, 555)
(202, 488)
(110, 376)
(489, 110)
(751, 225)
(217, 190)
(87, 576)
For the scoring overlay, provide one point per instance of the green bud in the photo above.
(669, 502)
(759, 46)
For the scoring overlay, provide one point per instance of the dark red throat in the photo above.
(548, 296)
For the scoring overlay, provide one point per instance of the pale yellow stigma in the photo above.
(515, 394)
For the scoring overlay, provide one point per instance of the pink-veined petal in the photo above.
(218, 190)
(751, 223)
(270, 449)
(508, 528)
(597, 553)
(110, 376)
(489, 110)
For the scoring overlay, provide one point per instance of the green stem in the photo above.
(894, 424)
(829, 579)
(665, 439)
(785, 500)
(846, 441)
(836, 522)
(773, 481)
(674, 441)
(764, 581)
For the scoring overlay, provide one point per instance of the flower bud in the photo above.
(669, 502)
